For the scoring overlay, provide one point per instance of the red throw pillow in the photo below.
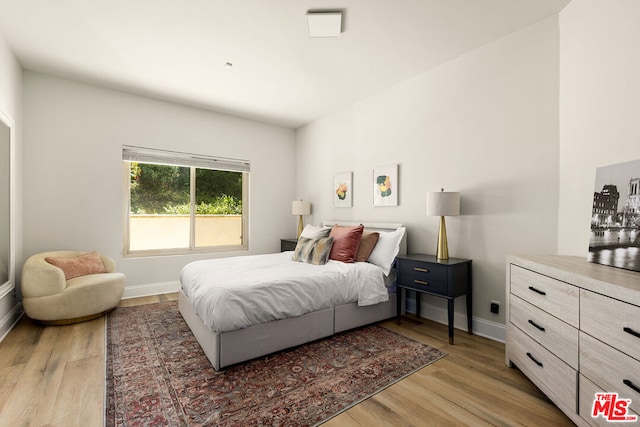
(346, 241)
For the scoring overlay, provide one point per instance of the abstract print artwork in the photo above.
(342, 190)
(385, 185)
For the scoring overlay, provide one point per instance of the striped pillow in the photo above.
(313, 251)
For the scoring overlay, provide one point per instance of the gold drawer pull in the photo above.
(421, 270)
(421, 282)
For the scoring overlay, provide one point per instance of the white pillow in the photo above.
(387, 248)
(312, 232)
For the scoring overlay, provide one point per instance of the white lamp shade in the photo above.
(443, 203)
(299, 207)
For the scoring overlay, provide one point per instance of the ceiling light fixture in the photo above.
(324, 24)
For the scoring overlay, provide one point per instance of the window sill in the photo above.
(173, 252)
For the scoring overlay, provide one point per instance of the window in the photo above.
(180, 203)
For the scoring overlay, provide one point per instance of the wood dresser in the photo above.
(573, 328)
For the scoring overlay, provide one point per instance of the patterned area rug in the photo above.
(158, 375)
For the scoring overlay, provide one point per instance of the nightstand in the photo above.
(288, 244)
(426, 274)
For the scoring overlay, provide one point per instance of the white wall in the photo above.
(599, 105)
(10, 104)
(485, 124)
(73, 191)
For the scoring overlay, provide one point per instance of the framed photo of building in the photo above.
(615, 216)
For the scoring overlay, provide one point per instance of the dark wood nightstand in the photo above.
(426, 274)
(288, 244)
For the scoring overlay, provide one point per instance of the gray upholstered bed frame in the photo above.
(227, 348)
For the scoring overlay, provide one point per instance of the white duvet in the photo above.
(234, 293)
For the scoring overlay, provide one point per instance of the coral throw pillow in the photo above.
(346, 241)
(368, 242)
(89, 263)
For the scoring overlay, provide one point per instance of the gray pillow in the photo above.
(313, 251)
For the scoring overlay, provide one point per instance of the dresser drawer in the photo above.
(558, 337)
(614, 322)
(555, 378)
(588, 392)
(610, 369)
(553, 296)
(429, 277)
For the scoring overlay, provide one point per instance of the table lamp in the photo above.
(443, 204)
(298, 207)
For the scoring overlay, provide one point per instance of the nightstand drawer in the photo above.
(426, 277)
(423, 284)
(288, 245)
(423, 271)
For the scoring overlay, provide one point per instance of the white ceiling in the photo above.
(177, 49)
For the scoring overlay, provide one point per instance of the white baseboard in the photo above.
(482, 327)
(149, 289)
(9, 321)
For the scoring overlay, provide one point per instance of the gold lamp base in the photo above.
(300, 226)
(443, 249)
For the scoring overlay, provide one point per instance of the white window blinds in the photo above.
(175, 158)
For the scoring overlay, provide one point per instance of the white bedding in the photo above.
(238, 292)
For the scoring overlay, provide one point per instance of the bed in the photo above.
(222, 318)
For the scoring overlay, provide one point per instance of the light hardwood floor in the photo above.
(54, 376)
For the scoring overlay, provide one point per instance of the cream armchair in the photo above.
(51, 299)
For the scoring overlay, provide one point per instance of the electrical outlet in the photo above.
(495, 307)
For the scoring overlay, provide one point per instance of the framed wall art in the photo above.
(615, 216)
(385, 185)
(342, 190)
